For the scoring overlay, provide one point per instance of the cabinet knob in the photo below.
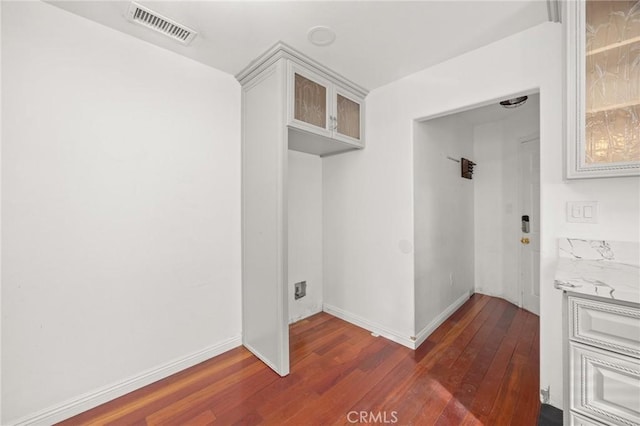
(524, 240)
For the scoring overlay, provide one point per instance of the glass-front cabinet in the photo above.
(603, 83)
(323, 107)
(311, 99)
(348, 121)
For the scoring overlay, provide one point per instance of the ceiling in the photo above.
(376, 43)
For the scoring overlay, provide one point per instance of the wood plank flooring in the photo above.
(479, 368)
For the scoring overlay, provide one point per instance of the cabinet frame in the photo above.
(575, 149)
(267, 134)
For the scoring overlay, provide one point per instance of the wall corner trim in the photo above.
(87, 401)
(431, 327)
(369, 325)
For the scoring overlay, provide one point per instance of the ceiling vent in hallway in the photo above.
(154, 21)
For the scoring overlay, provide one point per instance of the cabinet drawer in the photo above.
(605, 325)
(605, 386)
(578, 420)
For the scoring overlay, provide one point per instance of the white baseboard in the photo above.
(499, 296)
(92, 399)
(314, 310)
(369, 325)
(431, 327)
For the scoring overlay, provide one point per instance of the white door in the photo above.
(529, 165)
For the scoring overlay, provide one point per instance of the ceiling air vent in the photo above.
(152, 20)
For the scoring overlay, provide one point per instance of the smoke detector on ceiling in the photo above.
(321, 35)
(154, 21)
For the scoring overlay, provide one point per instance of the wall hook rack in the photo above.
(466, 168)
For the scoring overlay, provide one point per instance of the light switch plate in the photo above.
(582, 211)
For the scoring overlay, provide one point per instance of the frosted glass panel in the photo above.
(613, 136)
(348, 117)
(310, 103)
(612, 77)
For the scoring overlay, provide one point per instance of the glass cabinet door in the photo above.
(310, 101)
(612, 78)
(348, 117)
(604, 88)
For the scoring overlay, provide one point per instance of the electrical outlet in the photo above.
(300, 290)
(544, 394)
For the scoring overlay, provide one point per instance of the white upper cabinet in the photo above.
(323, 107)
(603, 88)
(324, 112)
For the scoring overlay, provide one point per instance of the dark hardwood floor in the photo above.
(480, 367)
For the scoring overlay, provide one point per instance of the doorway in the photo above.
(507, 201)
(482, 233)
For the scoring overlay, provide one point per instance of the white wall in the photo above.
(369, 193)
(367, 229)
(1, 379)
(443, 214)
(121, 207)
(488, 208)
(305, 232)
(497, 218)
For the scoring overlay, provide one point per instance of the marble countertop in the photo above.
(599, 268)
(606, 279)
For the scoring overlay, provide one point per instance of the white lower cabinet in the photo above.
(605, 386)
(605, 325)
(604, 370)
(578, 420)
